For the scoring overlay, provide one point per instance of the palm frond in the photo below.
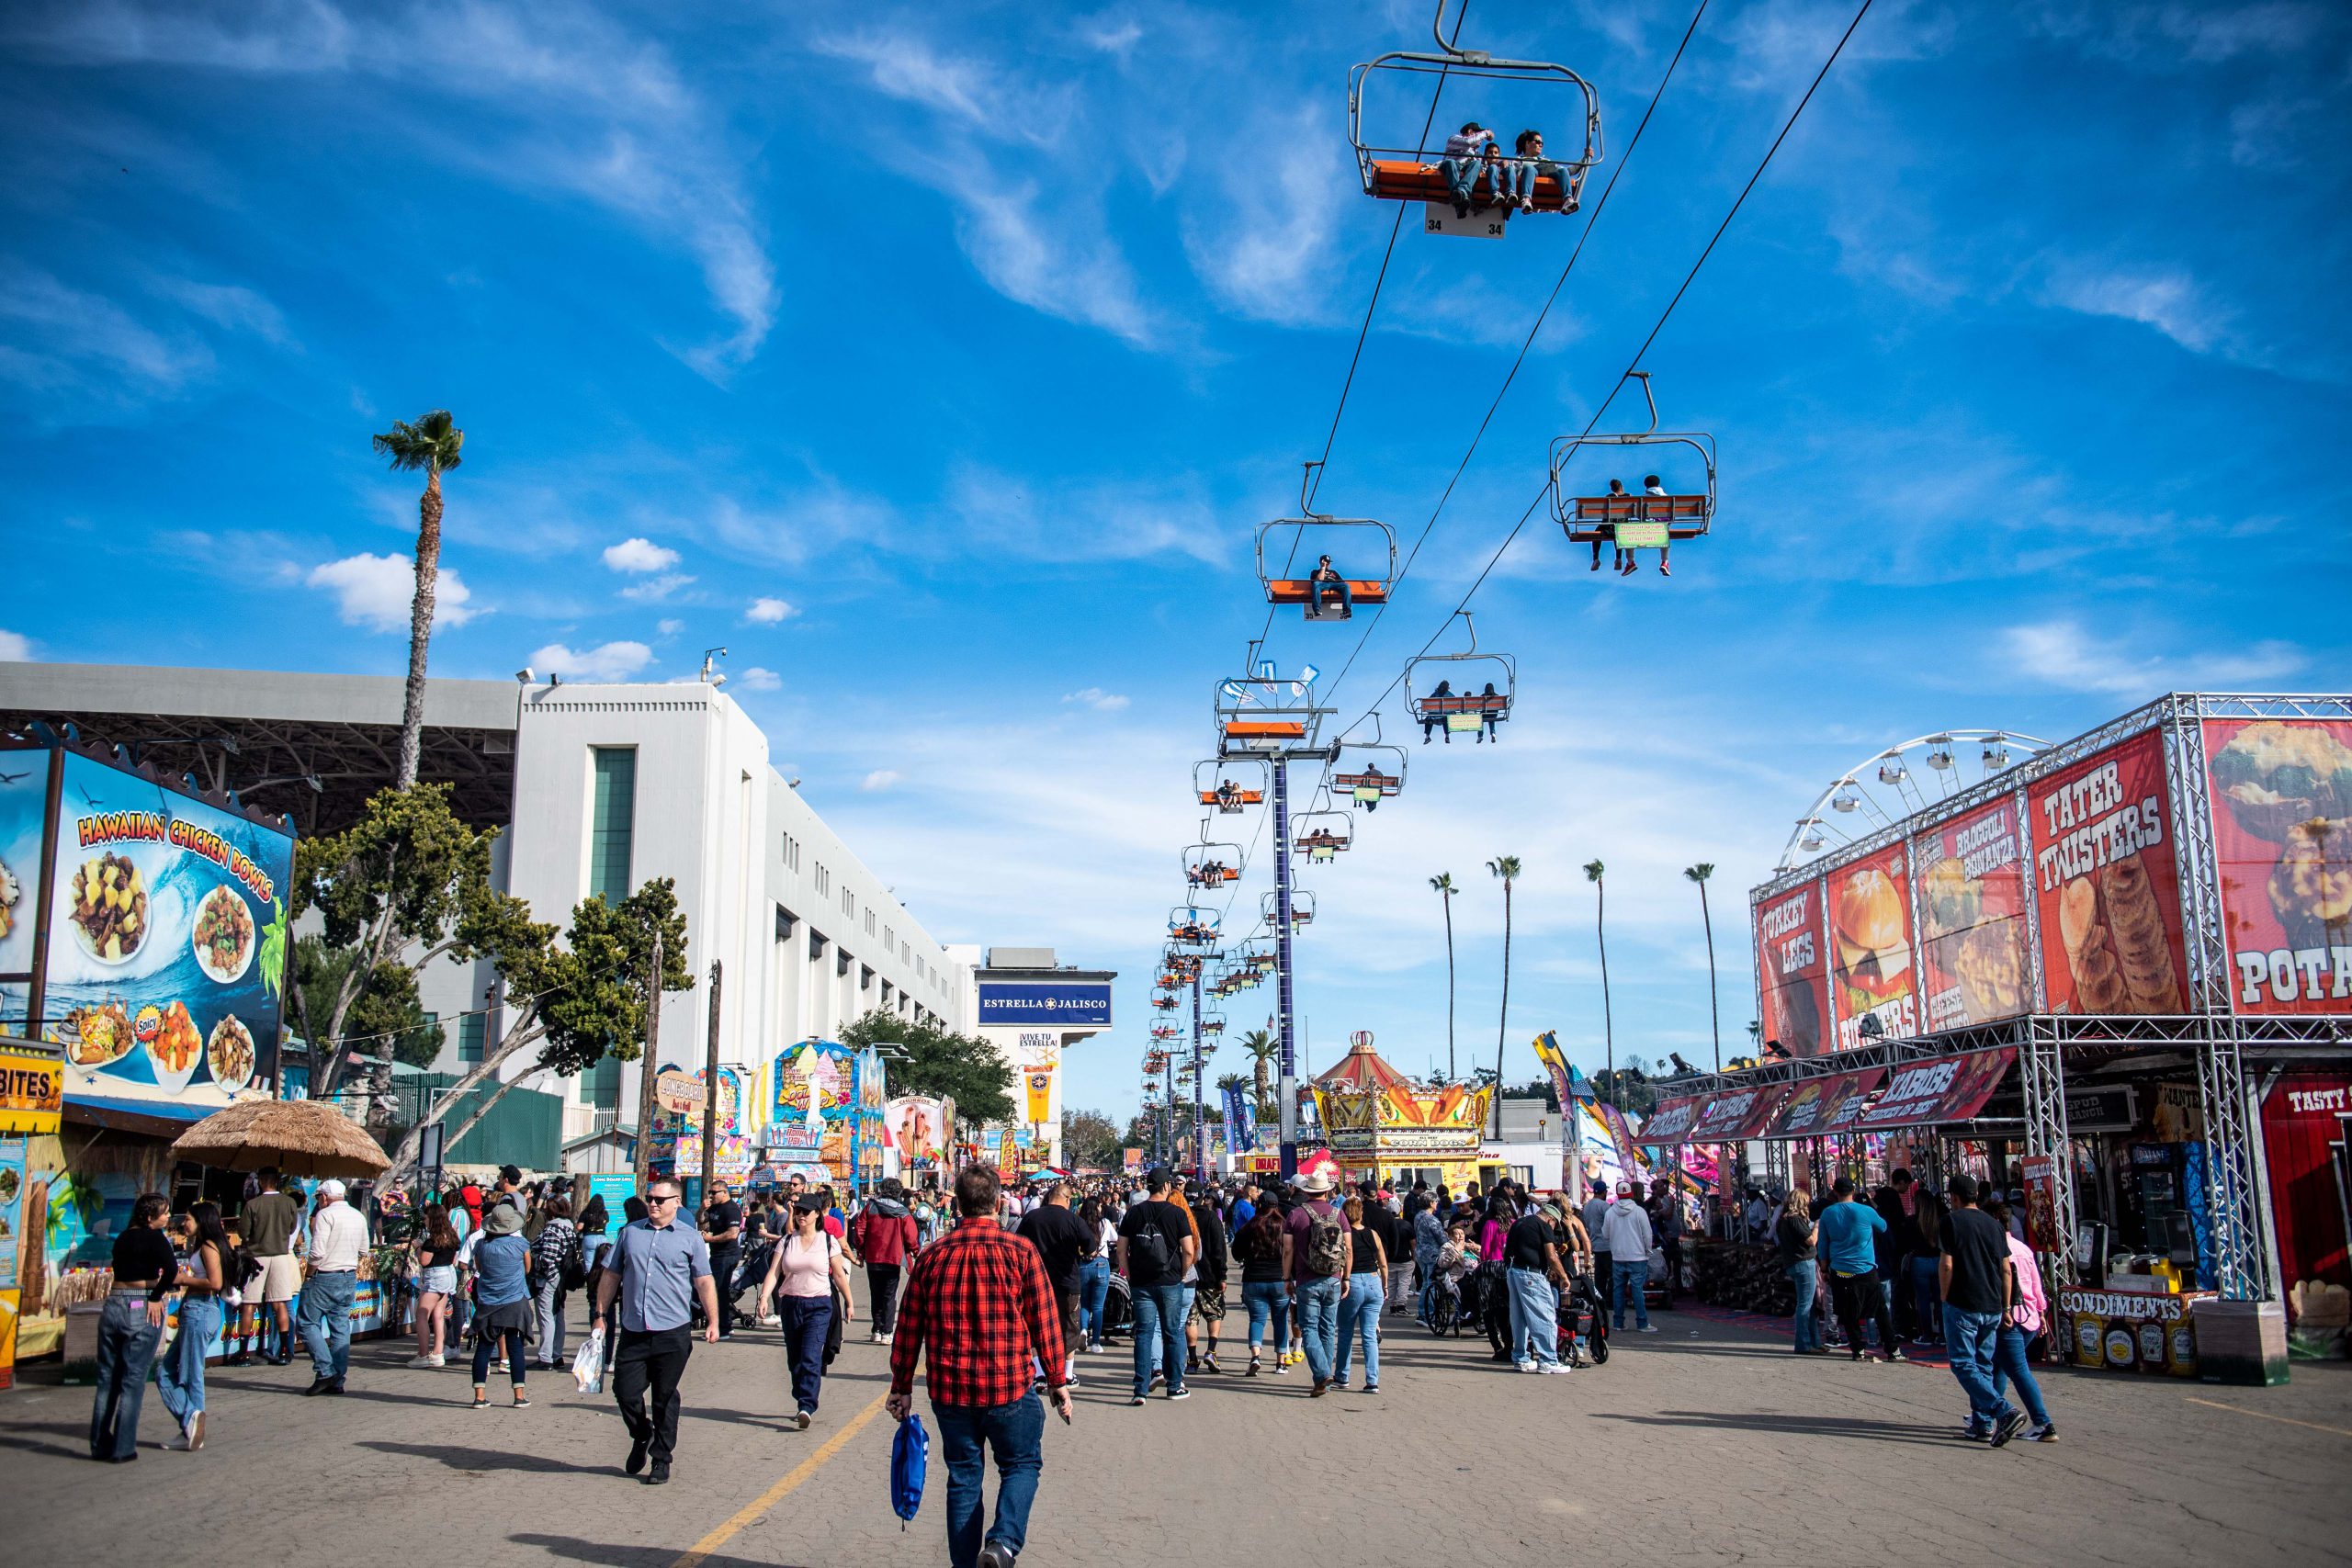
(433, 441)
(1593, 870)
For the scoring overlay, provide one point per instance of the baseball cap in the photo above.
(1624, 1189)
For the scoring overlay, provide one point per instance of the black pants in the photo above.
(1857, 1298)
(882, 1284)
(658, 1359)
(723, 1278)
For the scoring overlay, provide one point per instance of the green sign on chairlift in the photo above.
(1641, 535)
(1463, 723)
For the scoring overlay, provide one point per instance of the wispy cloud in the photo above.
(378, 592)
(2168, 299)
(879, 779)
(608, 661)
(15, 648)
(231, 306)
(57, 336)
(654, 590)
(1130, 520)
(1098, 699)
(2174, 34)
(756, 679)
(2062, 653)
(1265, 250)
(982, 96)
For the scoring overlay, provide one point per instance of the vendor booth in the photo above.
(1381, 1126)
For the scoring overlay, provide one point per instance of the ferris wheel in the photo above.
(1891, 784)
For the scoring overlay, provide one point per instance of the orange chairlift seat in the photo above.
(1449, 690)
(1221, 784)
(1303, 541)
(1411, 174)
(1357, 772)
(1633, 519)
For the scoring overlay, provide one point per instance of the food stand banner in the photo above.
(917, 1127)
(1791, 962)
(1670, 1123)
(32, 1094)
(1940, 1090)
(2281, 795)
(1737, 1113)
(1820, 1106)
(2107, 888)
(1869, 944)
(1975, 964)
(165, 929)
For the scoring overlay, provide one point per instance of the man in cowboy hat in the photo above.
(1319, 1255)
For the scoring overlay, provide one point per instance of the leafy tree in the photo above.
(432, 445)
(939, 1062)
(1089, 1138)
(386, 1019)
(1265, 1055)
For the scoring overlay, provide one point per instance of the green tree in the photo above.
(1089, 1138)
(1506, 867)
(1265, 1054)
(1443, 882)
(432, 445)
(1593, 872)
(922, 1059)
(386, 1019)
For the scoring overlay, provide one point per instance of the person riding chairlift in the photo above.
(1490, 709)
(1432, 718)
(1651, 486)
(1608, 529)
(1373, 779)
(1467, 151)
(1517, 176)
(1324, 578)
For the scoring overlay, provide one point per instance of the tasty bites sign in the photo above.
(2281, 793)
(2104, 876)
(1974, 965)
(1791, 962)
(1870, 940)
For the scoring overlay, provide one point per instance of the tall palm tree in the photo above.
(432, 445)
(1699, 873)
(1506, 867)
(1443, 882)
(1593, 871)
(1264, 1049)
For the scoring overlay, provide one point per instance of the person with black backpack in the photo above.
(556, 1267)
(1156, 1247)
(1320, 1255)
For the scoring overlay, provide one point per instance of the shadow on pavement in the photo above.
(78, 1449)
(616, 1556)
(1794, 1425)
(490, 1458)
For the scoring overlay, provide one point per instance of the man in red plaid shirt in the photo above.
(979, 1298)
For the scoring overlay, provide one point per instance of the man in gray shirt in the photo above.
(657, 1268)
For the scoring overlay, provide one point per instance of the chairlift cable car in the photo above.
(1652, 519)
(1205, 868)
(1321, 831)
(1362, 778)
(1446, 699)
(1223, 786)
(1335, 599)
(1398, 174)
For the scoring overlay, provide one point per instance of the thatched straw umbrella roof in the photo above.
(300, 1137)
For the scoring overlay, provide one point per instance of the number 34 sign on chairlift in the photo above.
(1483, 223)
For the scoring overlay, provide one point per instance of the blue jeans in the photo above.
(806, 1321)
(1632, 1279)
(2009, 1363)
(1460, 176)
(1360, 1319)
(1517, 179)
(1160, 1335)
(1015, 1433)
(547, 1297)
(1318, 1317)
(1093, 1290)
(1534, 1317)
(1265, 1299)
(326, 1322)
(1969, 1340)
(1317, 591)
(1927, 1294)
(179, 1376)
(489, 1344)
(1805, 1277)
(125, 1349)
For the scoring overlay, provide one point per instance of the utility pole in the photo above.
(1200, 1135)
(710, 1090)
(1288, 1105)
(648, 1069)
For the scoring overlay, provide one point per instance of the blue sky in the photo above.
(942, 362)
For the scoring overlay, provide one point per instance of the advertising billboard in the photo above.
(1059, 1003)
(1871, 973)
(1823, 1105)
(1975, 962)
(1794, 972)
(917, 1126)
(2105, 884)
(2281, 793)
(165, 928)
(1938, 1091)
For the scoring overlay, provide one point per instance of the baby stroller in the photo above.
(1584, 1323)
(1118, 1309)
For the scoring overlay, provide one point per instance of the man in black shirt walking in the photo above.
(1064, 1241)
(1978, 1287)
(722, 1232)
(1156, 1247)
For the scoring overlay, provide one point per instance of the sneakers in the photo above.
(421, 1363)
(2045, 1433)
(800, 1419)
(2007, 1427)
(1180, 1394)
(1648, 1328)
(1134, 1399)
(658, 1476)
(1371, 1388)
(1522, 1366)
(874, 1338)
(881, 1339)
(995, 1554)
(634, 1463)
(1551, 1370)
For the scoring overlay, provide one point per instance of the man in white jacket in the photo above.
(1625, 1232)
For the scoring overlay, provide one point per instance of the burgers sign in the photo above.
(1870, 928)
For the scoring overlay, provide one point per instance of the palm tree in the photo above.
(1699, 873)
(433, 445)
(1506, 867)
(1264, 1049)
(1593, 870)
(1443, 882)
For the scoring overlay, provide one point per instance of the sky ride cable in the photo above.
(1635, 364)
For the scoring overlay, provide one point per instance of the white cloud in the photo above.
(1133, 519)
(768, 612)
(1098, 699)
(231, 306)
(66, 337)
(1046, 264)
(377, 592)
(2166, 298)
(653, 589)
(2171, 35)
(639, 556)
(608, 661)
(756, 679)
(1269, 254)
(986, 97)
(880, 778)
(2062, 653)
(15, 648)
(670, 627)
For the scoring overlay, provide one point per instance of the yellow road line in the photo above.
(768, 1499)
(2260, 1415)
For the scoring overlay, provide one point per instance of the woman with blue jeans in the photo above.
(1927, 1261)
(129, 1328)
(1515, 180)
(1094, 1276)
(801, 1279)
(1264, 1248)
(503, 1309)
(1796, 1239)
(2019, 1325)
(1361, 1299)
(180, 1376)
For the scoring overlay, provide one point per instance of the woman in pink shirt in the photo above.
(2029, 1310)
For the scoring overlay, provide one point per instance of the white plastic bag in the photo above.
(588, 1367)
